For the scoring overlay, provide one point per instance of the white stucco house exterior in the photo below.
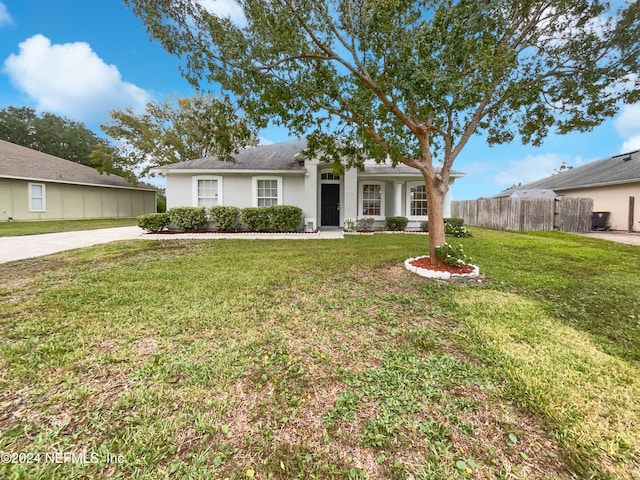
(280, 174)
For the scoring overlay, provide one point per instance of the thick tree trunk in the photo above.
(436, 191)
(437, 184)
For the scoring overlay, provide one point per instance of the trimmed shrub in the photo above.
(256, 219)
(153, 222)
(365, 224)
(454, 221)
(396, 223)
(456, 231)
(224, 217)
(285, 218)
(188, 219)
(452, 226)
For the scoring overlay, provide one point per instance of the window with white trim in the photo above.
(267, 191)
(329, 176)
(37, 197)
(207, 191)
(417, 201)
(371, 199)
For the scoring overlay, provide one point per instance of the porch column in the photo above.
(349, 205)
(397, 210)
(310, 203)
(446, 204)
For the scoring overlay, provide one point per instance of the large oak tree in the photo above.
(173, 131)
(410, 80)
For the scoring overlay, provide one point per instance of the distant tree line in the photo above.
(169, 132)
(55, 135)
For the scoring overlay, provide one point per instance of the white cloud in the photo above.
(225, 8)
(532, 167)
(627, 125)
(5, 17)
(628, 122)
(71, 79)
(631, 144)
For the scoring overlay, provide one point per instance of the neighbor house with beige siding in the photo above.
(613, 183)
(38, 186)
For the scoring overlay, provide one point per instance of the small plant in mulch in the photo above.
(350, 225)
(452, 254)
(453, 263)
(365, 224)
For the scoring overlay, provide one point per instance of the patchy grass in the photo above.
(321, 359)
(588, 284)
(12, 229)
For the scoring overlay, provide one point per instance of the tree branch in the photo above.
(373, 133)
(363, 76)
(307, 56)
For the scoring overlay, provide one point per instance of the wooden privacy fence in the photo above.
(567, 214)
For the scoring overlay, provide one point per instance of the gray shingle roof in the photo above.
(278, 156)
(533, 193)
(623, 168)
(21, 162)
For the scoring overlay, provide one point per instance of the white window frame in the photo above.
(32, 197)
(195, 181)
(408, 202)
(329, 173)
(361, 200)
(254, 189)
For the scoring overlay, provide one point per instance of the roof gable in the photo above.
(21, 162)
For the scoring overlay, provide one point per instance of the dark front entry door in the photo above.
(330, 204)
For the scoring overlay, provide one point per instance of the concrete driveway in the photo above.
(620, 237)
(28, 246)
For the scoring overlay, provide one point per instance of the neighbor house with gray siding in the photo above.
(280, 174)
(38, 186)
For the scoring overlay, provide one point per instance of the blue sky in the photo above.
(82, 58)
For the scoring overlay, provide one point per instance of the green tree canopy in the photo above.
(48, 133)
(174, 131)
(411, 80)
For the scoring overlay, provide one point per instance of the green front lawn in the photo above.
(12, 229)
(322, 359)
